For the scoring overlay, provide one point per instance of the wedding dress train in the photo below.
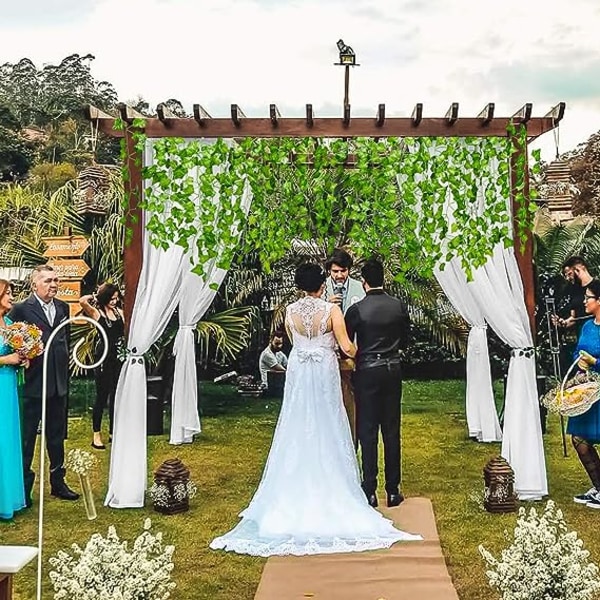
(310, 500)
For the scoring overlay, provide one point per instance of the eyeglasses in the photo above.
(586, 298)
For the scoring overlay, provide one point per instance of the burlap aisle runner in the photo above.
(406, 571)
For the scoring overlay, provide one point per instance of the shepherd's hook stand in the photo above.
(43, 432)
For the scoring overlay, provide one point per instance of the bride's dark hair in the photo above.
(309, 277)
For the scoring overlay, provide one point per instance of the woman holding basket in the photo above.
(585, 428)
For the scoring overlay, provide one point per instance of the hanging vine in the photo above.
(422, 200)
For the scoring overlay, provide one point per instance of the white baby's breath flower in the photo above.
(106, 570)
(80, 461)
(544, 562)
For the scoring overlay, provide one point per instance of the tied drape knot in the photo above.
(187, 327)
(134, 356)
(480, 326)
(314, 354)
(526, 351)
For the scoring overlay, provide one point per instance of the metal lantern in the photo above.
(173, 478)
(347, 55)
(499, 479)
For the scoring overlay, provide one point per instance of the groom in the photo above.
(380, 324)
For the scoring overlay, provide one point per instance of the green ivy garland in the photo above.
(392, 202)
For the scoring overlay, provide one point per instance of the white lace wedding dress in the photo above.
(309, 500)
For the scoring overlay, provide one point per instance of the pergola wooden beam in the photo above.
(128, 114)
(237, 114)
(165, 114)
(452, 114)
(380, 119)
(523, 115)
(417, 114)
(309, 126)
(487, 114)
(274, 114)
(200, 115)
(309, 116)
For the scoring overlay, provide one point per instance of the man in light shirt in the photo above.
(272, 358)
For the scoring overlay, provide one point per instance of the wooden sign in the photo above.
(69, 291)
(69, 268)
(67, 245)
(74, 308)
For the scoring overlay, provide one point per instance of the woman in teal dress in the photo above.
(12, 490)
(585, 428)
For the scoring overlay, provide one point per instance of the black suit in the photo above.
(30, 311)
(380, 324)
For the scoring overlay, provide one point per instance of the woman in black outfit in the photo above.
(103, 307)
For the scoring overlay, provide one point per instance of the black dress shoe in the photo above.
(63, 491)
(372, 500)
(394, 499)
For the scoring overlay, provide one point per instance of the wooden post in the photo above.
(524, 259)
(133, 251)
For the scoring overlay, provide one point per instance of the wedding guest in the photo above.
(340, 288)
(41, 308)
(12, 489)
(272, 358)
(585, 428)
(572, 315)
(104, 308)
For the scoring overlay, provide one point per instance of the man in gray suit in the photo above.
(340, 288)
(45, 311)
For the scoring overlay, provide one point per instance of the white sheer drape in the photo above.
(482, 418)
(499, 290)
(196, 297)
(156, 298)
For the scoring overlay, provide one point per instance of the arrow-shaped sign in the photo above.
(69, 268)
(70, 245)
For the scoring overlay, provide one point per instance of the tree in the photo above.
(52, 99)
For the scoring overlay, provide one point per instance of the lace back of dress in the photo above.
(308, 317)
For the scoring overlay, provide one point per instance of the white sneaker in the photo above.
(585, 498)
(595, 501)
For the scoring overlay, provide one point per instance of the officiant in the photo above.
(343, 290)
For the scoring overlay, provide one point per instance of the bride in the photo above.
(310, 500)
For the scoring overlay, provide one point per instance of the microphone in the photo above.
(338, 288)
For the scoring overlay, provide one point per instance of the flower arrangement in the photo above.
(544, 562)
(160, 493)
(24, 338)
(80, 461)
(107, 569)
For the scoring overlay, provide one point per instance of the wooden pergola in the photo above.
(237, 125)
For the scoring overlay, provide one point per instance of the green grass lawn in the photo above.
(226, 462)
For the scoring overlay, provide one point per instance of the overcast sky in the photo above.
(255, 52)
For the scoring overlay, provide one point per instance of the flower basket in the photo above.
(172, 488)
(574, 396)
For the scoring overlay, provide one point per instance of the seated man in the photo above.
(272, 358)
